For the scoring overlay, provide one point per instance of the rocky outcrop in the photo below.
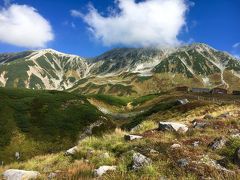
(103, 169)
(16, 174)
(172, 126)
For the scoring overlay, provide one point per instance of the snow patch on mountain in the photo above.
(145, 69)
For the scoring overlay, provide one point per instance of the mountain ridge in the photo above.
(50, 69)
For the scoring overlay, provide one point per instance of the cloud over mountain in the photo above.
(146, 23)
(23, 26)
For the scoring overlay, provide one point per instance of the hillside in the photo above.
(40, 122)
(124, 71)
(207, 149)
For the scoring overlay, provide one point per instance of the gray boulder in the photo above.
(172, 126)
(103, 169)
(182, 162)
(16, 174)
(217, 143)
(132, 137)
(140, 161)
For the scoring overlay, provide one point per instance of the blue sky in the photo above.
(66, 25)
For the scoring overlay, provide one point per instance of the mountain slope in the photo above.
(123, 71)
(44, 69)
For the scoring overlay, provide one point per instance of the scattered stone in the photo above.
(182, 101)
(172, 126)
(182, 162)
(175, 146)
(195, 143)
(217, 143)
(236, 157)
(132, 137)
(199, 124)
(103, 169)
(208, 116)
(16, 174)
(139, 161)
(52, 175)
(72, 151)
(17, 155)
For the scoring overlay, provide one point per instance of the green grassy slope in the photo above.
(36, 122)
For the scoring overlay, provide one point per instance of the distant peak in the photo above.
(53, 51)
(200, 45)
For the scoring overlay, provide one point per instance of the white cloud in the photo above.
(147, 23)
(236, 45)
(23, 26)
(76, 13)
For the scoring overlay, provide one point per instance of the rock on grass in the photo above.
(16, 174)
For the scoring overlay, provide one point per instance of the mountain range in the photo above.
(122, 71)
